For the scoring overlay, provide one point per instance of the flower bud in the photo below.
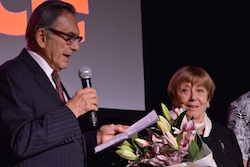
(126, 154)
(125, 147)
(164, 121)
(125, 142)
(165, 111)
(161, 127)
(163, 124)
(141, 142)
(171, 140)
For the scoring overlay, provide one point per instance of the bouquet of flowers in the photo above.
(169, 143)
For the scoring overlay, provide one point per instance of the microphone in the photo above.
(91, 116)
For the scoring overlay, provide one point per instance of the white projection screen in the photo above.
(112, 47)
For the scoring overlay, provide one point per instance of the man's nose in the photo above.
(75, 45)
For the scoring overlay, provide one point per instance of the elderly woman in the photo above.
(192, 88)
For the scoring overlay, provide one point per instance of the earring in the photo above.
(208, 105)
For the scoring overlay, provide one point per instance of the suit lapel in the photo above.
(40, 76)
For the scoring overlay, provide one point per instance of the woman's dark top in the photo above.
(223, 143)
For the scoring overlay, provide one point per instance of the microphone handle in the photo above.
(86, 83)
(92, 122)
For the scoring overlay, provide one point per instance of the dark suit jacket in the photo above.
(36, 128)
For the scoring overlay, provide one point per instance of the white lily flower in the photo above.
(178, 111)
(176, 130)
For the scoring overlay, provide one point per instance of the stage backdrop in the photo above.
(112, 47)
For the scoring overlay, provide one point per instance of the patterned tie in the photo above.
(59, 89)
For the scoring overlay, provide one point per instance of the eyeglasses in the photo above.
(70, 38)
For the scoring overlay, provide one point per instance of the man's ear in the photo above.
(41, 37)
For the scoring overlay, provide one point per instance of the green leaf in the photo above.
(179, 137)
(193, 152)
(198, 141)
(177, 122)
(133, 141)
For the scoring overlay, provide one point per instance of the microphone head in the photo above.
(84, 72)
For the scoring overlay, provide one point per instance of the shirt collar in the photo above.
(42, 63)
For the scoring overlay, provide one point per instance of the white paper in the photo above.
(148, 120)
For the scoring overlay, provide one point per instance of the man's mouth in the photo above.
(67, 55)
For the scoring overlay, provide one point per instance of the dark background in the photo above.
(211, 34)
